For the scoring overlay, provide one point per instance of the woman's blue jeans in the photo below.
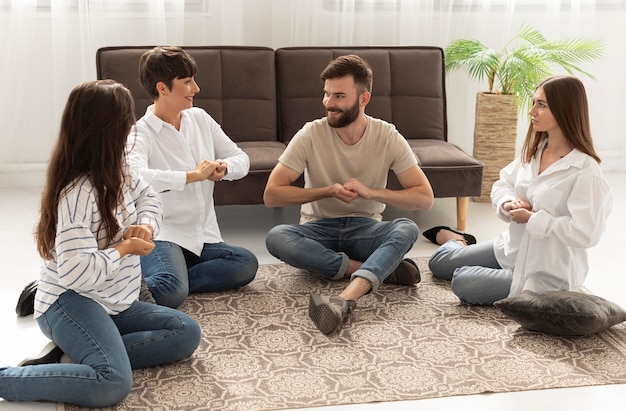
(326, 246)
(104, 349)
(475, 275)
(173, 272)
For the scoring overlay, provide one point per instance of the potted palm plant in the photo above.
(512, 74)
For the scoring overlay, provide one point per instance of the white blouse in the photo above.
(571, 202)
(163, 155)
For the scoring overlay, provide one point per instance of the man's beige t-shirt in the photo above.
(317, 151)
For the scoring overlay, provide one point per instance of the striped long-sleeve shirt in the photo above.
(83, 260)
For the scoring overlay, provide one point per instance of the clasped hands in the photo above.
(211, 170)
(519, 210)
(136, 240)
(350, 190)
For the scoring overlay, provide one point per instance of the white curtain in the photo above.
(48, 46)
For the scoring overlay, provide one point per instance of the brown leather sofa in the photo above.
(262, 96)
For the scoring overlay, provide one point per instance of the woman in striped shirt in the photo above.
(97, 219)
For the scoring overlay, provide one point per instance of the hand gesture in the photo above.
(137, 240)
(519, 210)
(520, 215)
(340, 192)
(202, 171)
(135, 246)
(359, 188)
(142, 231)
(220, 170)
(517, 204)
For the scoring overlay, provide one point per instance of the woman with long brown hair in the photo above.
(97, 219)
(555, 199)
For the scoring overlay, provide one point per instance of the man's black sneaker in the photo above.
(406, 273)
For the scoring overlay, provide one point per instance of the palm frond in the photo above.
(522, 75)
(530, 35)
(570, 53)
(479, 61)
(523, 62)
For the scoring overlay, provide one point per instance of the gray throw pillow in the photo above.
(562, 312)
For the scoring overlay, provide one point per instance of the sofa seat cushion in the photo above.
(438, 153)
(451, 171)
(263, 154)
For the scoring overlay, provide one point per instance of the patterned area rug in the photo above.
(260, 351)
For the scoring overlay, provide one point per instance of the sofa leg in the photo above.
(462, 204)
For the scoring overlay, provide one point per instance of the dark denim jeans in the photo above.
(104, 350)
(172, 272)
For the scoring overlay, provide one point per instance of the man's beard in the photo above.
(348, 116)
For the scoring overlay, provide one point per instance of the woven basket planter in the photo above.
(495, 133)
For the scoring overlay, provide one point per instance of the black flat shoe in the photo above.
(26, 303)
(431, 234)
(51, 354)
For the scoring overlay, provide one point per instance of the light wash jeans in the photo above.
(325, 246)
(475, 275)
(173, 272)
(103, 348)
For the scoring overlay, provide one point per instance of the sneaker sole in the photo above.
(322, 315)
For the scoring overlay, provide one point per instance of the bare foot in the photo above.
(444, 236)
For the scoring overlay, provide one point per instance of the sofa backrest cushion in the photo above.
(408, 88)
(237, 86)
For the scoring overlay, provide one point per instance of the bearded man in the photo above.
(346, 157)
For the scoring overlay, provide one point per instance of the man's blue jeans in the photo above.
(173, 272)
(325, 246)
(475, 275)
(103, 348)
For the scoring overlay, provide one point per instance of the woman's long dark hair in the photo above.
(97, 118)
(567, 100)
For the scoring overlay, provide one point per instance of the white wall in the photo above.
(606, 93)
(44, 56)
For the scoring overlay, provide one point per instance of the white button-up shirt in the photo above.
(571, 202)
(164, 155)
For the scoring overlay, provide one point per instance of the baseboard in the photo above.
(22, 175)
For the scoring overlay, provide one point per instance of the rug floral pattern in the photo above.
(260, 351)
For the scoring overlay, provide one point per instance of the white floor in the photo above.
(247, 226)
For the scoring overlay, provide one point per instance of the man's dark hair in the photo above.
(350, 65)
(164, 64)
